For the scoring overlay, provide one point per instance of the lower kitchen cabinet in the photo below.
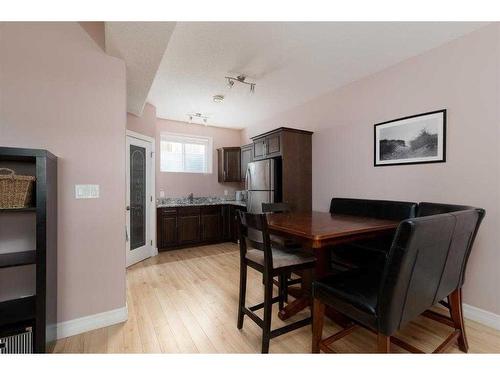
(210, 223)
(167, 227)
(188, 228)
(233, 222)
(227, 223)
(179, 227)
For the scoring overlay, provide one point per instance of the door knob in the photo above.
(127, 208)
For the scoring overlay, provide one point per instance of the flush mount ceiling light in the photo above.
(241, 79)
(197, 116)
(218, 98)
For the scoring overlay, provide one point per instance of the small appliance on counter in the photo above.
(241, 195)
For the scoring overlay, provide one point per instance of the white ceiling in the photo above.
(141, 45)
(291, 63)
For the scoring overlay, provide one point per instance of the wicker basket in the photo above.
(15, 190)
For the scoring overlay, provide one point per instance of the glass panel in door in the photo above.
(137, 197)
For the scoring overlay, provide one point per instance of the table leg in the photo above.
(303, 295)
(304, 300)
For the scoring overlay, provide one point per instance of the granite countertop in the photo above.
(183, 202)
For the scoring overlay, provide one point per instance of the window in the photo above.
(185, 153)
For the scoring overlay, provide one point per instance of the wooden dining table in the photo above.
(318, 232)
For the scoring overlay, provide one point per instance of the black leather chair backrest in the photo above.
(381, 209)
(277, 207)
(425, 264)
(428, 208)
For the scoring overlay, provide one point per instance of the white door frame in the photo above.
(152, 202)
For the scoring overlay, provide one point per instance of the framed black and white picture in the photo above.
(411, 140)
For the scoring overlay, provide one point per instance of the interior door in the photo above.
(139, 245)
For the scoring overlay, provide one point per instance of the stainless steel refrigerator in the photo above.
(262, 182)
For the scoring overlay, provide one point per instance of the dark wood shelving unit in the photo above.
(19, 258)
(18, 310)
(38, 311)
(24, 209)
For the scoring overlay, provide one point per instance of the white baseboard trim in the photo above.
(91, 322)
(108, 318)
(481, 316)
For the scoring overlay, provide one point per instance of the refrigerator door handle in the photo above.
(247, 179)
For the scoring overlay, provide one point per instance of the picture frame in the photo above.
(416, 139)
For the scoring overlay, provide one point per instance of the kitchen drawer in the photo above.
(188, 211)
(210, 210)
(168, 210)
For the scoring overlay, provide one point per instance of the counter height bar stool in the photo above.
(271, 262)
(282, 242)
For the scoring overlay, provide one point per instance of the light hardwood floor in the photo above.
(185, 301)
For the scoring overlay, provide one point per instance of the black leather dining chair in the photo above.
(260, 255)
(368, 252)
(425, 264)
(429, 208)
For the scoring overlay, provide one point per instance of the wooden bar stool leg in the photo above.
(268, 306)
(384, 343)
(455, 301)
(285, 291)
(317, 324)
(282, 287)
(243, 291)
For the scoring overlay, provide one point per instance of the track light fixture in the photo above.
(241, 79)
(198, 116)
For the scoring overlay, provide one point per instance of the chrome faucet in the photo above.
(191, 197)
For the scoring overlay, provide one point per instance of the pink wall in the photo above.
(461, 76)
(59, 91)
(145, 124)
(181, 184)
(96, 31)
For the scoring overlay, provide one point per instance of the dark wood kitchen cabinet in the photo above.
(210, 223)
(246, 157)
(167, 227)
(179, 227)
(294, 148)
(259, 148)
(233, 222)
(229, 167)
(226, 223)
(267, 145)
(188, 225)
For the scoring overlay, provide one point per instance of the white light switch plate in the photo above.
(86, 191)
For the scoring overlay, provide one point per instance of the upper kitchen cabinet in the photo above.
(267, 145)
(229, 159)
(246, 157)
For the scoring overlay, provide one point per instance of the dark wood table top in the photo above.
(321, 229)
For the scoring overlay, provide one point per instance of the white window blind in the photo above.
(185, 153)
